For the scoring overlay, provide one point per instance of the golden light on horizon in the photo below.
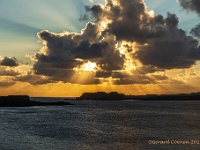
(66, 89)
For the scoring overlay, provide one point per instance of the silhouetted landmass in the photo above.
(24, 101)
(191, 96)
(117, 96)
(102, 96)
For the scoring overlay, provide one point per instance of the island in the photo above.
(166, 97)
(102, 96)
(148, 97)
(24, 101)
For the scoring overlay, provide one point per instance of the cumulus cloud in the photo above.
(8, 72)
(193, 5)
(127, 22)
(127, 43)
(62, 53)
(174, 50)
(160, 42)
(196, 31)
(8, 61)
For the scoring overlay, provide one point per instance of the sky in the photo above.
(64, 48)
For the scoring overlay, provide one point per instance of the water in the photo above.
(100, 125)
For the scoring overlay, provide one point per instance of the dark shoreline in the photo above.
(24, 101)
(113, 96)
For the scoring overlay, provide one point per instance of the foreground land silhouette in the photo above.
(24, 101)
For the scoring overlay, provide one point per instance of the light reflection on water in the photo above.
(96, 125)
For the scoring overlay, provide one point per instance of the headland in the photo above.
(101, 96)
(24, 101)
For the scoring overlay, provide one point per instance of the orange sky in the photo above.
(132, 49)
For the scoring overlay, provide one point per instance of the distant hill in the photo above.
(117, 96)
(102, 96)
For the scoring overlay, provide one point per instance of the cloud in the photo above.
(6, 77)
(33, 79)
(62, 53)
(161, 43)
(6, 84)
(196, 31)
(127, 22)
(173, 51)
(135, 77)
(91, 1)
(11, 62)
(128, 44)
(84, 17)
(8, 72)
(85, 50)
(193, 5)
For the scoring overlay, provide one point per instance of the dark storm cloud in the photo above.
(127, 24)
(193, 5)
(11, 62)
(64, 52)
(96, 10)
(171, 20)
(170, 54)
(111, 60)
(196, 31)
(160, 45)
(85, 50)
(57, 52)
(129, 20)
(172, 50)
(168, 47)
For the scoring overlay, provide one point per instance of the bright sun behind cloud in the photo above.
(102, 49)
(89, 66)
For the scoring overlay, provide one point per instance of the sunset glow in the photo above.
(89, 66)
(99, 45)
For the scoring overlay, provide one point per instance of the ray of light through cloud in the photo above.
(112, 47)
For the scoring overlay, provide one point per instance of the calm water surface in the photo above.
(100, 125)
